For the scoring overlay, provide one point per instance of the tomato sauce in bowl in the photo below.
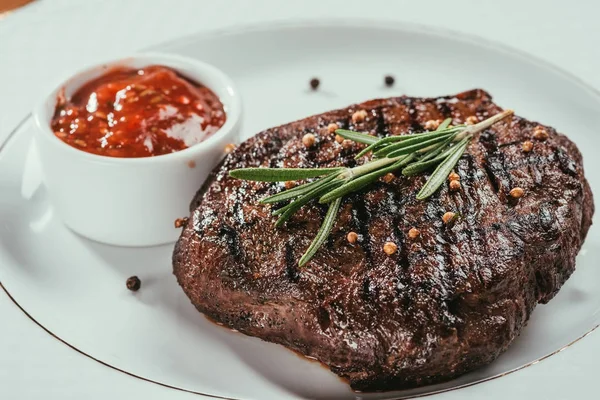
(131, 113)
(124, 144)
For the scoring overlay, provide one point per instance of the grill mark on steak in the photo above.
(231, 238)
(567, 164)
(291, 268)
(361, 218)
(402, 260)
(366, 289)
(442, 249)
(238, 213)
(324, 318)
(540, 161)
(494, 163)
(447, 302)
(547, 222)
(517, 229)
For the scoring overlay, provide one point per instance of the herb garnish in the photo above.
(414, 153)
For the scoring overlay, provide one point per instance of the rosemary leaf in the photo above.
(414, 147)
(440, 130)
(439, 176)
(286, 212)
(444, 124)
(280, 174)
(357, 136)
(429, 137)
(430, 159)
(298, 190)
(323, 233)
(391, 139)
(418, 167)
(378, 144)
(419, 138)
(364, 180)
(437, 149)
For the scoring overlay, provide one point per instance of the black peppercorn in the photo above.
(314, 83)
(389, 80)
(134, 283)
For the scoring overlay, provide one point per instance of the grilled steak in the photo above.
(448, 301)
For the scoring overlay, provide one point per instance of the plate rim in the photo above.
(368, 23)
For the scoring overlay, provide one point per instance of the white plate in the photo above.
(74, 288)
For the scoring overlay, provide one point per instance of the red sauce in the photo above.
(138, 113)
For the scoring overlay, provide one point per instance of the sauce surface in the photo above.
(138, 113)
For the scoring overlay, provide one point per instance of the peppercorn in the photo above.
(432, 124)
(453, 176)
(133, 283)
(472, 120)
(229, 148)
(289, 185)
(308, 140)
(331, 128)
(347, 144)
(179, 222)
(389, 80)
(539, 133)
(390, 248)
(314, 83)
(359, 116)
(414, 233)
(454, 185)
(387, 178)
(352, 237)
(516, 193)
(448, 217)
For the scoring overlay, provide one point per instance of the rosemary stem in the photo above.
(472, 129)
(429, 148)
(461, 136)
(369, 167)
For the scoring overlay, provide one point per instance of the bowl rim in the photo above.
(232, 104)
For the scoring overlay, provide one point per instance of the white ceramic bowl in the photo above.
(132, 201)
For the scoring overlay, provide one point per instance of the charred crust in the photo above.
(440, 306)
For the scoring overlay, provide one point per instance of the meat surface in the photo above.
(447, 302)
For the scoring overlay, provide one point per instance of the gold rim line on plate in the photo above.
(389, 25)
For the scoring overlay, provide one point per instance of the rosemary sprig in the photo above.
(414, 153)
(280, 174)
(323, 232)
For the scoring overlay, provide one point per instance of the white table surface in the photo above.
(44, 42)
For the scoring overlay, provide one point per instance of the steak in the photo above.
(446, 302)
